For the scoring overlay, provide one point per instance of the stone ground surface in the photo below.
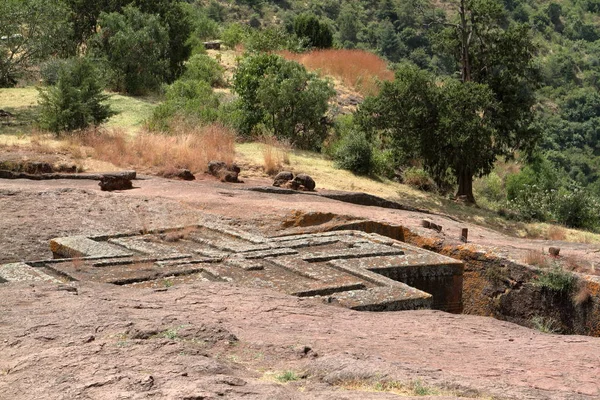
(207, 341)
(115, 342)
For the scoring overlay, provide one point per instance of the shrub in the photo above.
(419, 179)
(354, 153)
(76, 101)
(283, 96)
(546, 324)
(193, 101)
(556, 279)
(490, 187)
(233, 35)
(203, 68)
(272, 39)
(576, 209)
(50, 70)
(318, 33)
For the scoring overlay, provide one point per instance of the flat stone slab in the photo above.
(363, 271)
(19, 272)
(81, 246)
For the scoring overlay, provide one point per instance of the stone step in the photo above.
(21, 272)
(81, 246)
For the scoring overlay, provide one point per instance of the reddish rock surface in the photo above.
(113, 342)
(219, 341)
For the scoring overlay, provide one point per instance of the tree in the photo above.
(447, 124)
(389, 43)
(135, 46)
(76, 101)
(283, 96)
(348, 26)
(492, 52)
(85, 16)
(30, 30)
(318, 33)
(173, 16)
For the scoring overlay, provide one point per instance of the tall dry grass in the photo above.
(275, 153)
(188, 147)
(556, 232)
(357, 69)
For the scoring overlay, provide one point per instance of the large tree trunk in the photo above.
(465, 185)
(464, 45)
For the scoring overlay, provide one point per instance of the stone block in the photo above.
(22, 272)
(81, 246)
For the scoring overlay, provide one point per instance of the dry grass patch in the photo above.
(582, 295)
(190, 148)
(536, 258)
(275, 154)
(357, 69)
(410, 388)
(556, 232)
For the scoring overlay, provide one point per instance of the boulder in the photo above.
(183, 174)
(282, 178)
(114, 182)
(225, 172)
(304, 182)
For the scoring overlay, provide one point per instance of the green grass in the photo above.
(546, 324)
(556, 279)
(287, 376)
(131, 112)
(23, 104)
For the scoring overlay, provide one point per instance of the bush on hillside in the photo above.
(191, 100)
(201, 67)
(281, 95)
(419, 179)
(76, 101)
(317, 33)
(354, 153)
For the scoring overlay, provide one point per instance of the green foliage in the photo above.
(86, 14)
(233, 35)
(287, 376)
(348, 26)
(446, 125)
(272, 39)
(317, 33)
(178, 23)
(577, 208)
(354, 153)
(135, 47)
(556, 279)
(546, 324)
(419, 179)
(204, 68)
(283, 96)
(192, 100)
(389, 43)
(76, 101)
(30, 31)
(50, 70)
